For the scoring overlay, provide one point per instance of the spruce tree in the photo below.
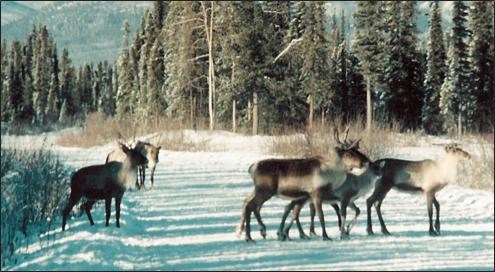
(410, 96)
(4, 82)
(481, 60)
(315, 68)
(155, 105)
(367, 46)
(52, 110)
(14, 85)
(449, 105)
(435, 73)
(41, 74)
(125, 78)
(455, 101)
(68, 91)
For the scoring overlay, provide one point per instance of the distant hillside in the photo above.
(90, 30)
(12, 11)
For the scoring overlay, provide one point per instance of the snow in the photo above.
(188, 222)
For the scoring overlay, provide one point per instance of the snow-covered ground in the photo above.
(188, 223)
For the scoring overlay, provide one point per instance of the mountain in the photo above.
(90, 30)
(12, 11)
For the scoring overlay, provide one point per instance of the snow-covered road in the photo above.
(188, 223)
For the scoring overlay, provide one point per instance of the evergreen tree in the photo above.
(481, 60)
(68, 91)
(160, 10)
(125, 80)
(52, 110)
(455, 101)
(448, 100)
(41, 75)
(315, 69)
(253, 64)
(64, 113)
(4, 82)
(367, 46)
(155, 103)
(149, 39)
(408, 100)
(14, 85)
(435, 73)
(185, 61)
(357, 92)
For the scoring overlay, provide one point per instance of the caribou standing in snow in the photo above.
(149, 151)
(426, 176)
(353, 188)
(299, 179)
(104, 181)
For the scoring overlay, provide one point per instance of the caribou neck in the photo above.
(448, 166)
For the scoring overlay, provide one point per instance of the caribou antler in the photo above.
(346, 133)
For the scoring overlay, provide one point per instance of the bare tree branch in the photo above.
(292, 43)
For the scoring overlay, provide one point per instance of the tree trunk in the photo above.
(233, 117)
(255, 113)
(322, 118)
(249, 111)
(191, 109)
(233, 102)
(311, 109)
(369, 109)
(459, 125)
(211, 74)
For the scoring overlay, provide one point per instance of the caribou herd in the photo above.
(339, 179)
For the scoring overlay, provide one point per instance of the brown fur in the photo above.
(105, 181)
(299, 179)
(425, 176)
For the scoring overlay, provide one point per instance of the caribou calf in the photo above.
(427, 177)
(353, 188)
(105, 181)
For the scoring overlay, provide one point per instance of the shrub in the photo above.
(34, 186)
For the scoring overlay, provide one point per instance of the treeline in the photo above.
(41, 88)
(269, 65)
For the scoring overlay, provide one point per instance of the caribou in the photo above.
(105, 181)
(426, 176)
(353, 188)
(149, 151)
(299, 179)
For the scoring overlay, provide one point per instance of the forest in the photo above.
(263, 66)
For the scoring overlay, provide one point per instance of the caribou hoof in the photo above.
(370, 232)
(263, 233)
(250, 240)
(304, 236)
(385, 231)
(313, 233)
(281, 236)
(344, 236)
(434, 233)
(326, 238)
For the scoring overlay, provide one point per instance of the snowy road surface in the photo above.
(188, 223)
